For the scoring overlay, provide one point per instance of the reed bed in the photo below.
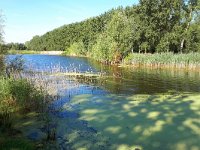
(54, 81)
(25, 89)
(18, 96)
(189, 61)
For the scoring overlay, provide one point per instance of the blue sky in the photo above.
(26, 18)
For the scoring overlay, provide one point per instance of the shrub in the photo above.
(18, 95)
(76, 48)
(7, 104)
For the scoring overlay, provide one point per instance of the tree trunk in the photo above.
(182, 44)
(186, 29)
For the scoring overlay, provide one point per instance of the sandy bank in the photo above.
(51, 52)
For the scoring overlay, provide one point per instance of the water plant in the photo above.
(17, 95)
(169, 60)
(35, 90)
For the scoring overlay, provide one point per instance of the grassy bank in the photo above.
(23, 52)
(17, 98)
(164, 60)
(25, 121)
(189, 61)
(34, 52)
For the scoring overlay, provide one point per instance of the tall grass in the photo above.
(23, 52)
(169, 60)
(33, 89)
(18, 95)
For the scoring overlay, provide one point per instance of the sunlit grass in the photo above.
(34, 52)
(164, 60)
(23, 52)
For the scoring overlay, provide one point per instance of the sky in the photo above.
(24, 19)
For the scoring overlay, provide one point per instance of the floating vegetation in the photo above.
(78, 114)
(54, 85)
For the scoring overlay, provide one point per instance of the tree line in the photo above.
(13, 46)
(9, 46)
(152, 26)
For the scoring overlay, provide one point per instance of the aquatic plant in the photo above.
(18, 95)
(169, 60)
(35, 89)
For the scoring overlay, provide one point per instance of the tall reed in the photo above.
(168, 60)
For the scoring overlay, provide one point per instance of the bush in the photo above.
(76, 48)
(18, 95)
(14, 65)
(7, 104)
(17, 143)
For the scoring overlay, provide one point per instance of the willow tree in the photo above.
(117, 40)
(191, 10)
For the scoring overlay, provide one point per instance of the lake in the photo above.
(124, 108)
(120, 80)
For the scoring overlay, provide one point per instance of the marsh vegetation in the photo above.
(94, 106)
(78, 103)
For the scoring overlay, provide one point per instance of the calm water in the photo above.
(99, 120)
(119, 80)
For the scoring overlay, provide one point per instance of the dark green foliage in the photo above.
(77, 48)
(10, 46)
(18, 95)
(149, 27)
(4, 48)
(15, 46)
(193, 38)
(2, 67)
(8, 143)
(61, 38)
(165, 24)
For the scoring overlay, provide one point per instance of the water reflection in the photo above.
(148, 81)
(119, 80)
(55, 63)
(79, 120)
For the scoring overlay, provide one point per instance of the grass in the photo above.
(18, 143)
(22, 93)
(17, 96)
(166, 60)
(34, 52)
(23, 52)
(26, 92)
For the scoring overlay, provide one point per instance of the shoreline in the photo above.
(51, 52)
(123, 64)
(35, 52)
(161, 67)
